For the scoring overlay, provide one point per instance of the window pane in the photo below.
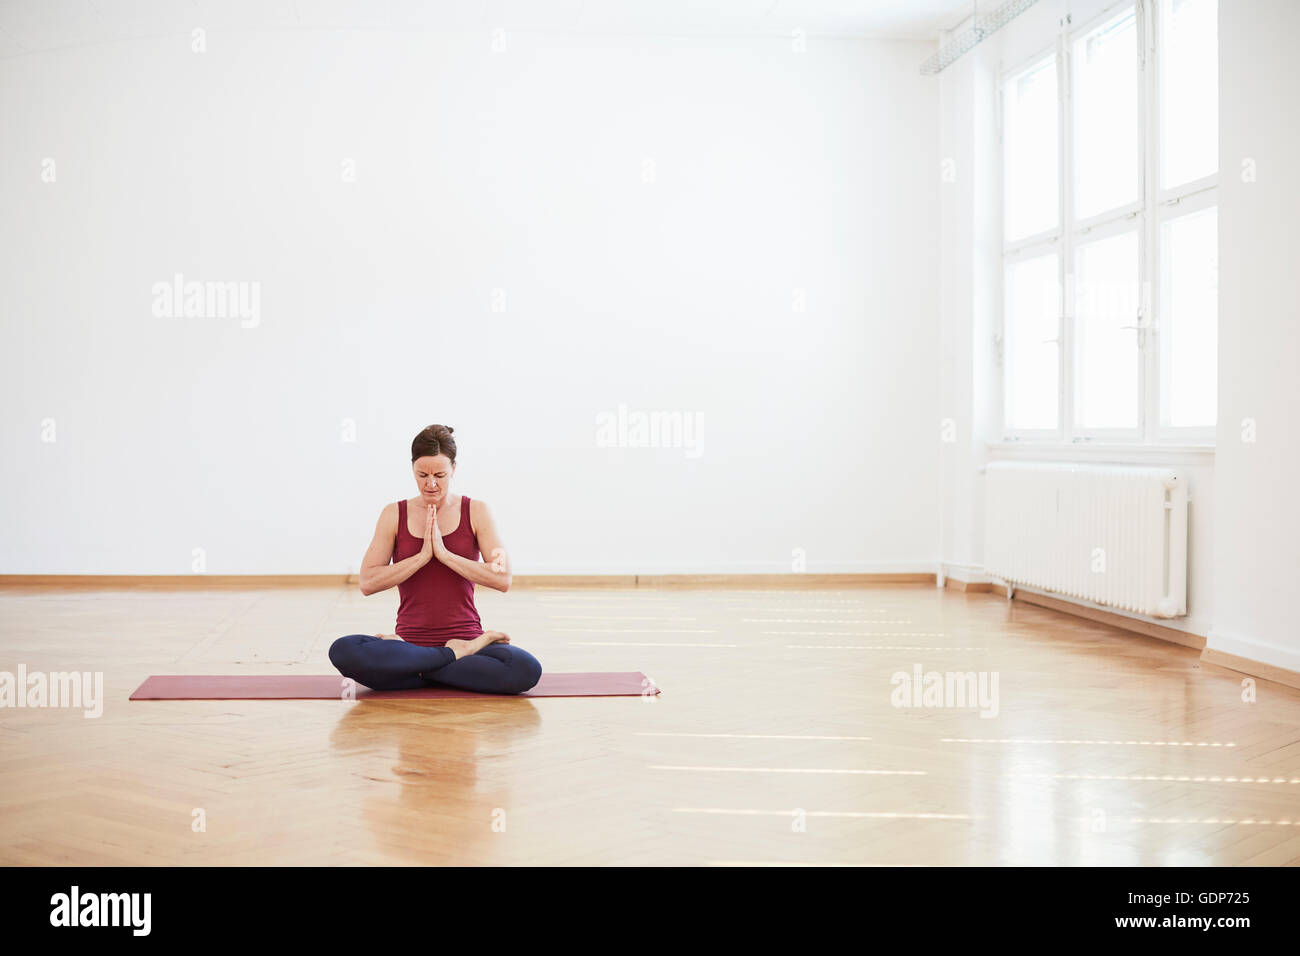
(1029, 151)
(1105, 142)
(1106, 362)
(1032, 352)
(1188, 52)
(1189, 324)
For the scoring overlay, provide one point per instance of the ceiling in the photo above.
(28, 26)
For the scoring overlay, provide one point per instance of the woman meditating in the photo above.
(433, 543)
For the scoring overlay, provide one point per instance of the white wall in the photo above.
(520, 171)
(1257, 519)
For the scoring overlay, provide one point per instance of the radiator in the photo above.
(1112, 534)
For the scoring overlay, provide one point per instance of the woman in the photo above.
(433, 542)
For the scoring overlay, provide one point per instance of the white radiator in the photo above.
(1111, 534)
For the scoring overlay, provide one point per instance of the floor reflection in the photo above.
(441, 756)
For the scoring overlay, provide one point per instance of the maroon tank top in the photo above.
(437, 603)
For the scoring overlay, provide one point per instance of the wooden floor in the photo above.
(774, 741)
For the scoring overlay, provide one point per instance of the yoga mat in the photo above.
(331, 687)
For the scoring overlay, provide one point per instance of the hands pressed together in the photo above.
(433, 546)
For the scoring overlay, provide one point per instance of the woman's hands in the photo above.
(433, 546)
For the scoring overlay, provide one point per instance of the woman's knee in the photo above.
(525, 669)
(342, 652)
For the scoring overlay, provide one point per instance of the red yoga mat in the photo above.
(335, 687)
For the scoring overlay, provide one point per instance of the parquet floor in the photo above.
(776, 739)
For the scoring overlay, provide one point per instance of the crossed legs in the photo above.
(496, 668)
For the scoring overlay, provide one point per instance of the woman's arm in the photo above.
(377, 573)
(495, 573)
(374, 580)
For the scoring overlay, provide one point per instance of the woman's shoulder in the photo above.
(477, 509)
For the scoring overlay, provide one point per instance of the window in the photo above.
(1110, 239)
(1032, 297)
(1190, 278)
(1030, 131)
(1104, 126)
(1189, 90)
(1106, 366)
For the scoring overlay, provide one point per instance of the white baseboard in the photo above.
(1284, 657)
(736, 567)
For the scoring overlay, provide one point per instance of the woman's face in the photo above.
(433, 477)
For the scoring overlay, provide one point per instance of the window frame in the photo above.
(1154, 206)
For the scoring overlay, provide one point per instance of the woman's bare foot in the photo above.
(461, 648)
(464, 648)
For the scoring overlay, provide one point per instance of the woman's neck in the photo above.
(450, 499)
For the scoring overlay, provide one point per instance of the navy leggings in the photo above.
(396, 665)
